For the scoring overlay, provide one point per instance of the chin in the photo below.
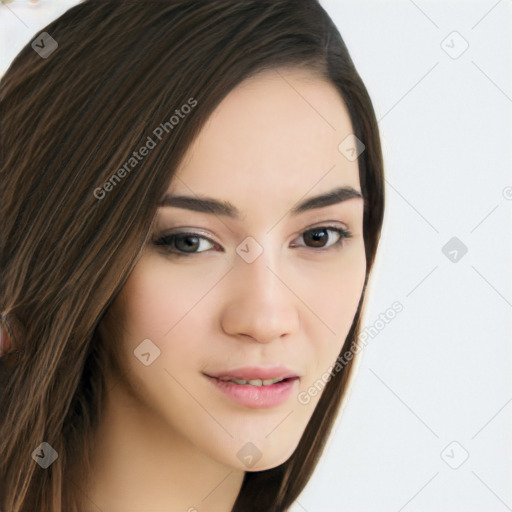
(271, 461)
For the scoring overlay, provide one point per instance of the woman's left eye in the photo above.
(317, 235)
(185, 244)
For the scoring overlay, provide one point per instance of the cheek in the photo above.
(163, 303)
(332, 290)
(159, 296)
(161, 309)
(334, 299)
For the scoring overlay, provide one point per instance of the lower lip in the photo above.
(256, 397)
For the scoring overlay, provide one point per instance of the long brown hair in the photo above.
(68, 121)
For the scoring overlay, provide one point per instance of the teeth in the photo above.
(239, 381)
(268, 382)
(257, 382)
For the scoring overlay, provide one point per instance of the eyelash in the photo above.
(166, 240)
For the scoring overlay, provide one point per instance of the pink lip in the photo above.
(256, 397)
(255, 372)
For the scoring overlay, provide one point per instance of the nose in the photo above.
(261, 304)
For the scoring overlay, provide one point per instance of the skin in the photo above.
(168, 440)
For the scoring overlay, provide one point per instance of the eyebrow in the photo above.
(225, 208)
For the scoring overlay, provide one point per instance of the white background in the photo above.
(434, 386)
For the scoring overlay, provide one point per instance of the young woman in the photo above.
(192, 198)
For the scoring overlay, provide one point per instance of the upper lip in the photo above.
(255, 372)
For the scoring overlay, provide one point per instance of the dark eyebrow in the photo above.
(225, 208)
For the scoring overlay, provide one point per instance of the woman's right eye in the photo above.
(183, 244)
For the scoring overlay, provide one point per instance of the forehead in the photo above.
(273, 137)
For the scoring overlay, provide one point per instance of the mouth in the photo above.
(255, 382)
(256, 388)
(252, 375)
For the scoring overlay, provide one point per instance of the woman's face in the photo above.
(253, 296)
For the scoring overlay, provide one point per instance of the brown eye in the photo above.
(317, 238)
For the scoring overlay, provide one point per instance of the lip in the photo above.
(255, 372)
(256, 397)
